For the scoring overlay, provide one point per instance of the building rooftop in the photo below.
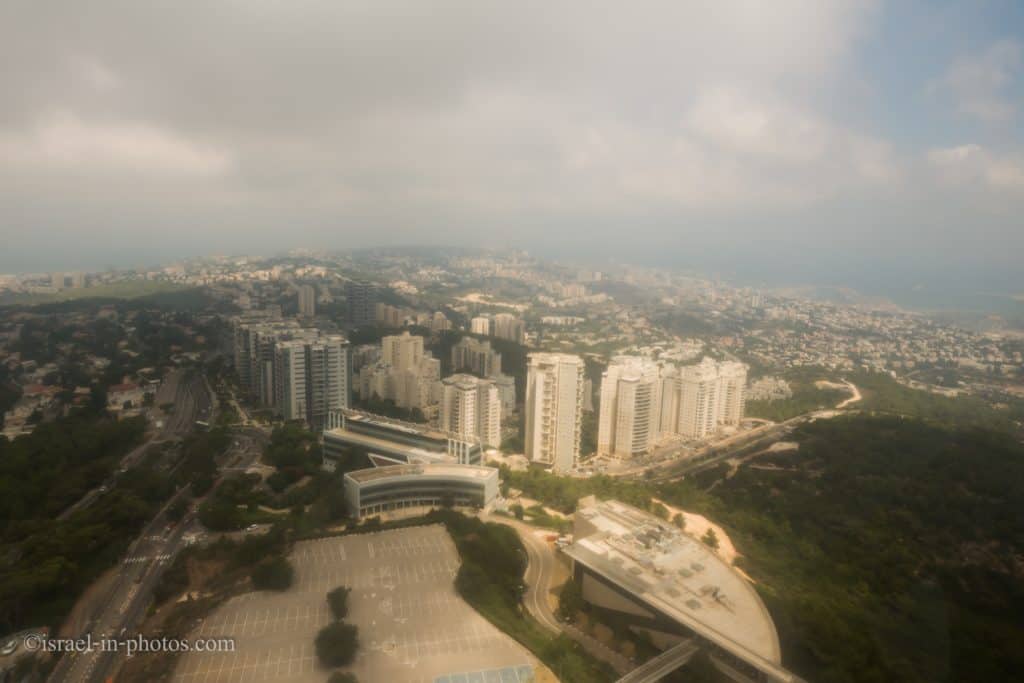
(410, 428)
(386, 446)
(677, 575)
(435, 470)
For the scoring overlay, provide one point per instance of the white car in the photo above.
(9, 647)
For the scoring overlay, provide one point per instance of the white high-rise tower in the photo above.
(554, 409)
(629, 421)
(471, 408)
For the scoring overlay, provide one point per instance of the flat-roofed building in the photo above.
(307, 301)
(387, 442)
(508, 326)
(471, 408)
(402, 351)
(362, 302)
(698, 399)
(476, 356)
(554, 409)
(674, 587)
(480, 325)
(397, 487)
(628, 422)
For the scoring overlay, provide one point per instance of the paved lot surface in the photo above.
(412, 625)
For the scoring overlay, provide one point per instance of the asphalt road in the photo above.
(185, 389)
(147, 558)
(539, 575)
(670, 467)
(123, 607)
(540, 570)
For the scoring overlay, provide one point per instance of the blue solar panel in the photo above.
(510, 674)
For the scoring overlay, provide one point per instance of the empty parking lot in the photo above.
(412, 624)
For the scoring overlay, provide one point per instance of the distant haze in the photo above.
(836, 141)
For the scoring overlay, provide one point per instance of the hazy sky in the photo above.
(845, 134)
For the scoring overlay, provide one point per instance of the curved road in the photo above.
(540, 570)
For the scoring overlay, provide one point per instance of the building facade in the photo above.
(554, 409)
(480, 325)
(699, 399)
(508, 326)
(362, 302)
(630, 408)
(307, 301)
(396, 487)
(471, 408)
(476, 356)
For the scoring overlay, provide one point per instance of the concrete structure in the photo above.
(328, 378)
(480, 325)
(629, 418)
(384, 489)
(554, 409)
(507, 326)
(297, 371)
(388, 442)
(732, 392)
(307, 301)
(439, 322)
(673, 587)
(698, 399)
(506, 392)
(402, 351)
(405, 374)
(362, 302)
(311, 378)
(471, 408)
(290, 379)
(476, 356)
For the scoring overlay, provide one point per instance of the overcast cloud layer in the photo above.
(837, 130)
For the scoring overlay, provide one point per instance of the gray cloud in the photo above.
(132, 129)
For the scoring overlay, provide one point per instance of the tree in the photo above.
(570, 600)
(337, 643)
(679, 520)
(178, 510)
(337, 600)
(710, 539)
(274, 574)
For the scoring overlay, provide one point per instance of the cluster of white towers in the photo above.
(642, 402)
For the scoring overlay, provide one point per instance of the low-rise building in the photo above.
(397, 487)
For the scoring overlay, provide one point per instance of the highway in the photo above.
(656, 668)
(714, 453)
(147, 558)
(186, 391)
(122, 608)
